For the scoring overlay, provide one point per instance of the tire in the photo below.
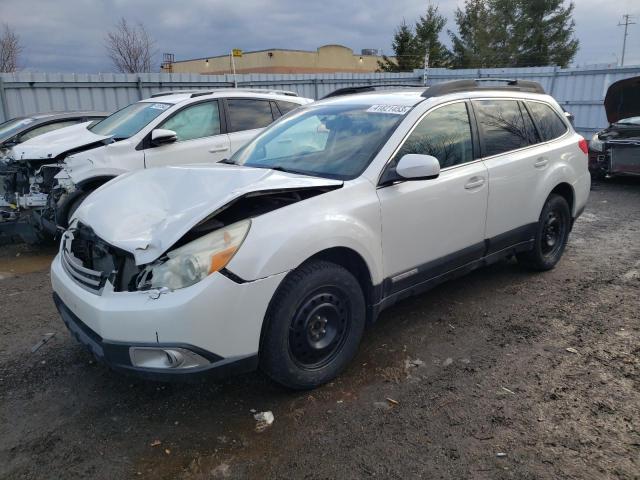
(552, 234)
(313, 326)
(74, 206)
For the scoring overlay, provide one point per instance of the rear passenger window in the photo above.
(444, 133)
(286, 107)
(247, 114)
(502, 126)
(549, 123)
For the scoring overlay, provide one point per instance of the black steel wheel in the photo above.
(552, 234)
(319, 328)
(313, 326)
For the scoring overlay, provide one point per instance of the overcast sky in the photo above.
(68, 35)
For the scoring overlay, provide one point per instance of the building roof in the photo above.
(274, 50)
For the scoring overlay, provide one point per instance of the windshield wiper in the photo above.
(227, 161)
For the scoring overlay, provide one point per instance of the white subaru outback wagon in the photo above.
(281, 256)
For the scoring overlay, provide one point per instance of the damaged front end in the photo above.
(30, 193)
(204, 249)
(162, 225)
(616, 150)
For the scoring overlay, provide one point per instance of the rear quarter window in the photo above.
(549, 123)
(286, 107)
(248, 114)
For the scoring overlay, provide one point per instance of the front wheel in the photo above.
(314, 326)
(551, 235)
(75, 203)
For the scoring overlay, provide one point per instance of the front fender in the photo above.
(282, 240)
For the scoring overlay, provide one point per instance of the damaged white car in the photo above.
(172, 128)
(279, 257)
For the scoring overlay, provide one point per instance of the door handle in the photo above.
(541, 162)
(218, 148)
(474, 182)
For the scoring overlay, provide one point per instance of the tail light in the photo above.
(584, 146)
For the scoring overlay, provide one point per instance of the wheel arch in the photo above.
(351, 261)
(566, 191)
(92, 183)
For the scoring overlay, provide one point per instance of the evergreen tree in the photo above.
(472, 45)
(405, 51)
(512, 33)
(427, 37)
(546, 33)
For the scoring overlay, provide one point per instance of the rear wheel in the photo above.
(314, 326)
(551, 236)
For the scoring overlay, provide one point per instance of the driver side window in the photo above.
(444, 133)
(197, 121)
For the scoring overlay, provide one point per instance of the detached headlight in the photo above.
(596, 144)
(196, 260)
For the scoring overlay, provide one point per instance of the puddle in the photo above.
(25, 262)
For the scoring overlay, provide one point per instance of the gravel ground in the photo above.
(501, 374)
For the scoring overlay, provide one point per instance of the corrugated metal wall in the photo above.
(26, 93)
(579, 90)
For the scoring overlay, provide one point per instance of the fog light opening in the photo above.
(165, 358)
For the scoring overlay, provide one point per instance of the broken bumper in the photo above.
(217, 319)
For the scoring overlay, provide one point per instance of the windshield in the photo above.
(11, 127)
(129, 121)
(629, 121)
(333, 141)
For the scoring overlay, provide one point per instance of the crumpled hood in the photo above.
(623, 99)
(52, 144)
(147, 211)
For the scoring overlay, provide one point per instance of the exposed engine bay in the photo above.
(31, 195)
(616, 149)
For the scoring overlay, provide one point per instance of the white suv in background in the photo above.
(172, 128)
(281, 256)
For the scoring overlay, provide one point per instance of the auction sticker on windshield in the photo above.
(159, 106)
(395, 109)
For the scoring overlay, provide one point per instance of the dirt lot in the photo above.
(501, 374)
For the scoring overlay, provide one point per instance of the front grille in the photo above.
(625, 159)
(89, 279)
(90, 261)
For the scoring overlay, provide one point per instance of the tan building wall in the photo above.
(329, 58)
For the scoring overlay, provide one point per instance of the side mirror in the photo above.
(11, 142)
(418, 167)
(160, 136)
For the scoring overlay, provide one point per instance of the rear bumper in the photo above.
(116, 354)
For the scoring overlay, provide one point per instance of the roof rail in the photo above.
(288, 93)
(365, 88)
(179, 92)
(199, 93)
(456, 86)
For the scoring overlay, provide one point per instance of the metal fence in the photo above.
(26, 93)
(579, 90)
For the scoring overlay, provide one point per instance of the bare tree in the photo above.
(10, 49)
(130, 47)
